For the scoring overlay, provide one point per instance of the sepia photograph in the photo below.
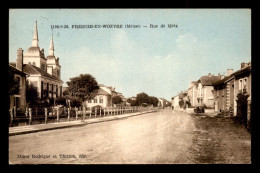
(129, 86)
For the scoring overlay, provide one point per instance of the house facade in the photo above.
(44, 73)
(224, 93)
(192, 93)
(242, 85)
(103, 97)
(175, 102)
(205, 90)
(162, 102)
(18, 99)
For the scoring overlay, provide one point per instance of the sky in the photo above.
(158, 61)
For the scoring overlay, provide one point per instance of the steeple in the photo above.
(35, 42)
(51, 48)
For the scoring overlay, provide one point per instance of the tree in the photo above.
(153, 101)
(142, 98)
(83, 87)
(13, 83)
(117, 100)
(31, 94)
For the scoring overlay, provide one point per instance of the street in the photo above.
(163, 137)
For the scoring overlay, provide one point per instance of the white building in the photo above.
(103, 97)
(44, 72)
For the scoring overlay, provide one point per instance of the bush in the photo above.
(61, 101)
(75, 103)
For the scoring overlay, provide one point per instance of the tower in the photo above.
(35, 42)
(34, 55)
(53, 67)
(51, 48)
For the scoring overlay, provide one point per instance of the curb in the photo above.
(81, 123)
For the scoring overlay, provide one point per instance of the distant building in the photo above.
(162, 102)
(175, 102)
(103, 97)
(205, 90)
(192, 93)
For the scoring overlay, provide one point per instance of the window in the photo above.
(240, 85)
(17, 85)
(244, 84)
(43, 67)
(100, 99)
(95, 100)
(17, 102)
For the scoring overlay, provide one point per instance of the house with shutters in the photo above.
(44, 72)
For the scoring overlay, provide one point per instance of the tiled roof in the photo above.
(15, 70)
(208, 80)
(12, 64)
(102, 92)
(248, 68)
(31, 69)
(222, 80)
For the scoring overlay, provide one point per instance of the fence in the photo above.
(39, 115)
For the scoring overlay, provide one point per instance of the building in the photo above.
(184, 99)
(162, 102)
(44, 72)
(103, 97)
(18, 98)
(175, 102)
(242, 85)
(224, 93)
(229, 90)
(205, 90)
(192, 93)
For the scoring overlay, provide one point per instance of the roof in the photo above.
(163, 99)
(243, 70)
(102, 92)
(17, 71)
(34, 51)
(222, 80)
(182, 94)
(12, 64)
(31, 69)
(208, 80)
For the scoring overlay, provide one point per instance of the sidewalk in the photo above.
(51, 126)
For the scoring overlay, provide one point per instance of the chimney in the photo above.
(19, 59)
(209, 74)
(242, 65)
(229, 72)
